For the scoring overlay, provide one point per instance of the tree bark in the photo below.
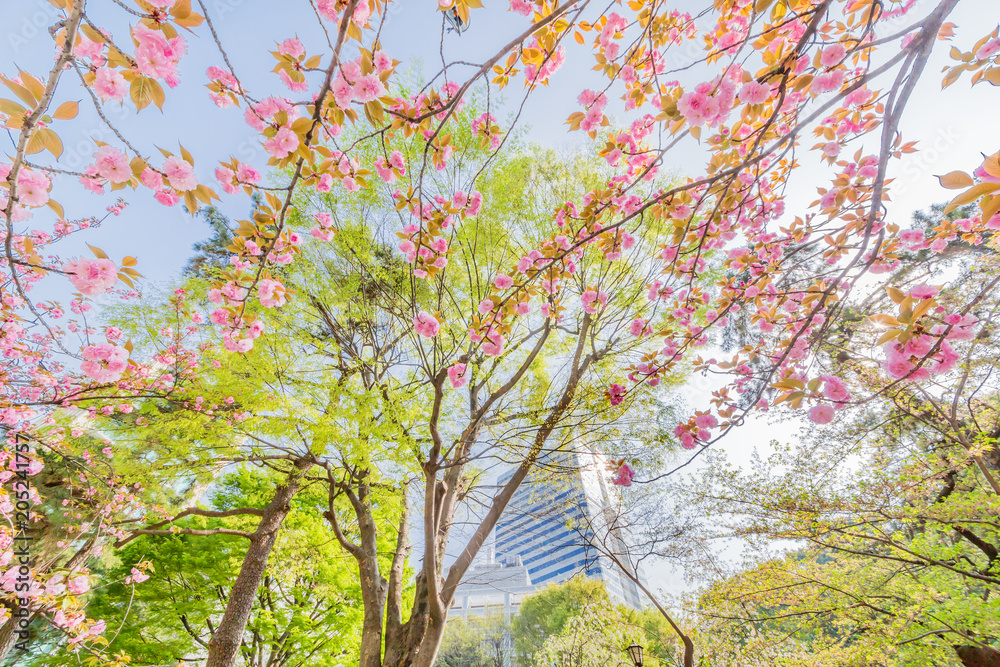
(225, 643)
(978, 656)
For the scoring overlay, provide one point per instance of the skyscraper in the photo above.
(554, 518)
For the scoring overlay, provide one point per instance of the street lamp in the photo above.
(635, 651)
(455, 21)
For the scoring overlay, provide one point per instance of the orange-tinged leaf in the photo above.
(181, 9)
(141, 92)
(887, 336)
(92, 34)
(956, 180)
(991, 165)
(100, 254)
(971, 195)
(67, 110)
(57, 207)
(20, 91)
(51, 141)
(12, 108)
(884, 320)
(992, 208)
(32, 84)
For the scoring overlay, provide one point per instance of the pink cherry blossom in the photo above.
(831, 56)
(456, 373)
(105, 362)
(271, 293)
(503, 281)
(110, 85)
(291, 47)
(821, 414)
(706, 422)
(698, 108)
(989, 49)
(112, 164)
(282, 144)
(180, 173)
(78, 585)
(521, 7)
(753, 92)
(381, 61)
(32, 188)
(924, 291)
(426, 325)
(247, 174)
(368, 88)
(624, 475)
(92, 276)
(397, 160)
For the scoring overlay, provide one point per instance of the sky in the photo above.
(952, 127)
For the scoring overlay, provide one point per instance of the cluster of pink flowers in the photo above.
(261, 114)
(834, 390)
(226, 87)
(492, 340)
(457, 375)
(637, 158)
(827, 82)
(391, 170)
(623, 476)
(426, 324)
(594, 104)
(427, 250)
(710, 102)
(553, 61)
(271, 293)
(432, 251)
(328, 9)
(231, 180)
(104, 362)
(156, 55)
(616, 393)
(594, 300)
(32, 189)
(696, 429)
(92, 276)
(522, 7)
(483, 126)
(612, 30)
(323, 230)
(353, 84)
(110, 84)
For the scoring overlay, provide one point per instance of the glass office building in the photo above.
(554, 518)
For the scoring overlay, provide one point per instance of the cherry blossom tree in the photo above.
(767, 75)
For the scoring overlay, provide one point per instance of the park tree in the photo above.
(598, 634)
(897, 555)
(600, 298)
(477, 641)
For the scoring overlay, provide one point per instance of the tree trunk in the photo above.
(226, 641)
(7, 635)
(978, 656)
(373, 594)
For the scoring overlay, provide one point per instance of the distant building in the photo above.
(492, 585)
(551, 521)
